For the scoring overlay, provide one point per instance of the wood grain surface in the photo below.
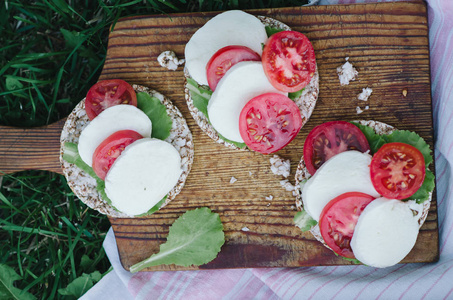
(386, 42)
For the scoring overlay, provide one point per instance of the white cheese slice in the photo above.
(385, 233)
(232, 27)
(240, 84)
(111, 120)
(142, 175)
(348, 171)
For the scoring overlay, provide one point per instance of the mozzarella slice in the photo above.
(241, 83)
(385, 233)
(348, 171)
(142, 175)
(111, 120)
(232, 27)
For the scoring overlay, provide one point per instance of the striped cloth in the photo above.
(408, 281)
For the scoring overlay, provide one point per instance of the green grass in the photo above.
(50, 54)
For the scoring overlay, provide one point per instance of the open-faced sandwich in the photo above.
(364, 189)
(126, 150)
(251, 82)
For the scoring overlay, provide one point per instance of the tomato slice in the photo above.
(397, 170)
(289, 61)
(269, 122)
(224, 59)
(108, 151)
(107, 93)
(329, 139)
(338, 219)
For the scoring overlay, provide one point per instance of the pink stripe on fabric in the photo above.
(327, 282)
(423, 276)
(175, 286)
(399, 268)
(313, 278)
(351, 281)
(282, 276)
(445, 238)
(297, 278)
(388, 286)
(437, 281)
(448, 295)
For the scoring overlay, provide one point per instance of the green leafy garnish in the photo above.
(293, 96)
(422, 194)
(7, 288)
(200, 96)
(157, 113)
(271, 30)
(195, 238)
(304, 221)
(375, 140)
(413, 139)
(80, 285)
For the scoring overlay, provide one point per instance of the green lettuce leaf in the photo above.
(157, 113)
(195, 238)
(271, 30)
(7, 288)
(422, 194)
(304, 221)
(293, 96)
(200, 96)
(375, 140)
(413, 139)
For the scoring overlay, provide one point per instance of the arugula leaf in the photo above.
(7, 288)
(422, 194)
(413, 139)
(157, 113)
(375, 140)
(304, 221)
(195, 238)
(80, 285)
(271, 30)
(237, 144)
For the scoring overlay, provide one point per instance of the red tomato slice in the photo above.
(329, 139)
(289, 61)
(108, 151)
(268, 122)
(108, 93)
(397, 170)
(224, 59)
(338, 219)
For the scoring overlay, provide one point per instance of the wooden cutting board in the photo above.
(386, 42)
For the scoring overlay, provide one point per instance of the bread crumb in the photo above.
(279, 166)
(365, 94)
(245, 228)
(169, 60)
(233, 180)
(347, 73)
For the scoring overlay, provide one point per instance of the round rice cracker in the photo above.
(84, 186)
(302, 175)
(306, 101)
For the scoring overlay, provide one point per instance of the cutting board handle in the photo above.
(30, 148)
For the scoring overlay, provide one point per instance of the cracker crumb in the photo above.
(245, 228)
(279, 166)
(404, 92)
(270, 197)
(359, 110)
(233, 180)
(347, 73)
(287, 185)
(365, 94)
(250, 173)
(169, 60)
